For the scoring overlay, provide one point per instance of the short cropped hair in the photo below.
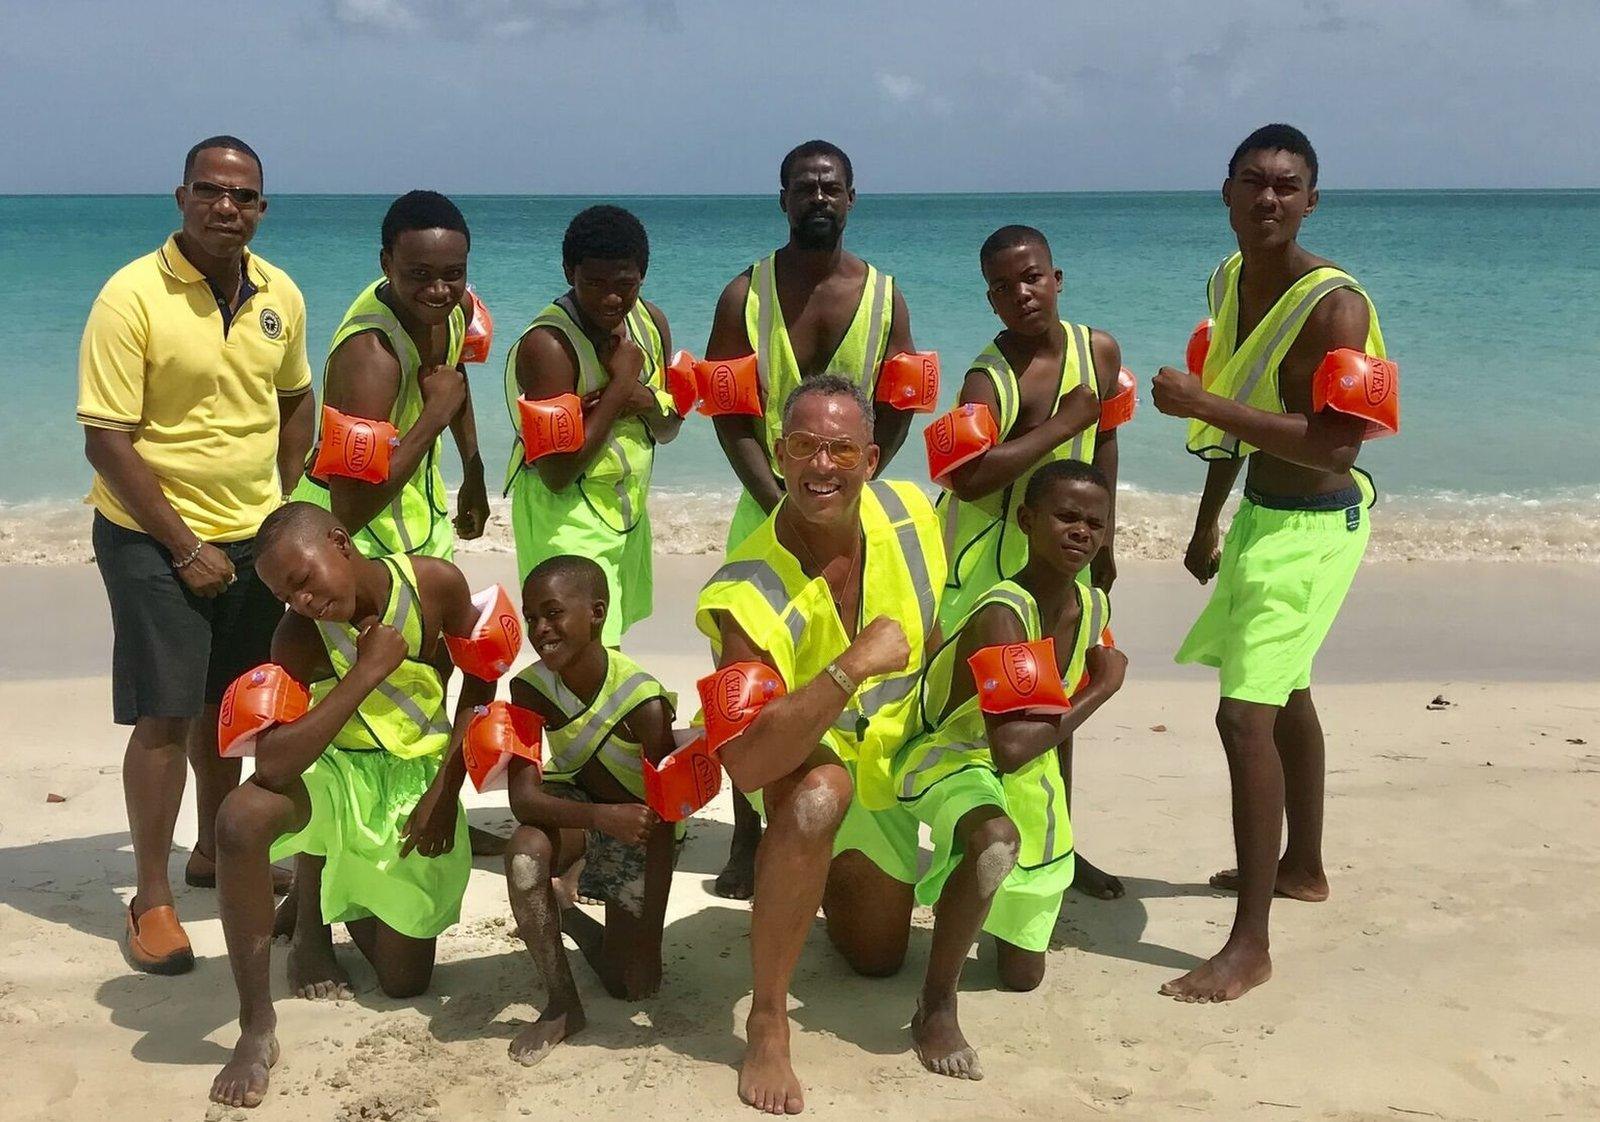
(829, 385)
(229, 143)
(605, 233)
(815, 148)
(1061, 471)
(583, 571)
(1276, 138)
(293, 521)
(422, 210)
(1010, 237)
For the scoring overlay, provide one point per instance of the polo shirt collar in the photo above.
(177, 266)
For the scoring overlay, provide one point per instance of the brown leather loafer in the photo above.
(156, 943)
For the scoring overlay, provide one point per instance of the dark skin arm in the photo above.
(1009, 460)
(889, 426)
(546, 367)
(788, 729)
(364, 381)
(472, 501)
(430, 829)
(1016, 739)
(1107, 362)
(662, 422)
(134, 483)
(1204, 555)
(297, 428)
(1323, 442)
(739, 436)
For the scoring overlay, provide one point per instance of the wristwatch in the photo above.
(846, 683)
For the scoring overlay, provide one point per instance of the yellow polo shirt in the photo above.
(199, 395)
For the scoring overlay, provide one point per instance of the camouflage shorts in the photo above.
(613, 871)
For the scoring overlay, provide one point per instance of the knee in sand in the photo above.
(820, 803)
(995, 845)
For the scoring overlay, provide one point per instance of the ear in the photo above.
(177, 197)
(850, 198)
(988, 295)
(569, 271)
(874, 453)
(384, 259)
(597, 615)
(1059, 280)
(340, 539)
(1313, 197)
(1227, 192)
(1025, 520)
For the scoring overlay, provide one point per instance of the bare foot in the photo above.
(1234, 971)
(485, 843)
(243, 1081)
(1095, 882)
(534, 1043)
(766, 1080)
(737, 881)
(314, 971)
(1296, 884)
(936, 1038)
(566, 885)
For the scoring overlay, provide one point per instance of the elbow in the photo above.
(964, 486)
(1006, 756)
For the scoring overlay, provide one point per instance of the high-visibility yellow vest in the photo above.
(405, 716)
(954, 741)
(417, 519)
(1246, 370)
(982, 538)
(617, 481)
(860, 352)
(595, 727)
(793, 618)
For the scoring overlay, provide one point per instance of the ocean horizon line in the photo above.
(1095, 192)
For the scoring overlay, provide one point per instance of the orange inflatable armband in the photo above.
(681, 383)
(497, 734)
(1118, 409)
(687, 779)
(1019, 677)
(731, 697)
(480, 331)
(1361, 385)
(729, 386)
(356, 447)
(551, 425)
(1194, 356)
(496, 638)
(910, 381)
(964, 433)
(253, 703)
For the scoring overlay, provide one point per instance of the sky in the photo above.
(704, 96)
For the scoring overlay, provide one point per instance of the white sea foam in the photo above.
(1563, 526)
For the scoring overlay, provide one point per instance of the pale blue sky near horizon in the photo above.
(704, 96)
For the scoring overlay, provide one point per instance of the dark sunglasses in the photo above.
(244, 198)
(843, 451)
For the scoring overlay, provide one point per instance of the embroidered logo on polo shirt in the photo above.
(271, 323)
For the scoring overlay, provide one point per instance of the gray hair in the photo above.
(829, 385)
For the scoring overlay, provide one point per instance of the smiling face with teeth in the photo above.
(819, 489)
(564, 607)
(427, 274)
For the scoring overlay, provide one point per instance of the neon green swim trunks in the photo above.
(1028, 901)
(1283, 577)
(359, 803)
(887, 837)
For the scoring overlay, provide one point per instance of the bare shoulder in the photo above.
(298, 648)
(1107, 359)
(657, 316)
(1340, 319)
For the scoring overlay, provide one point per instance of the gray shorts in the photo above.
(613, 871)
(172, 652)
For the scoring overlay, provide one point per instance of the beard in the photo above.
(818, 231)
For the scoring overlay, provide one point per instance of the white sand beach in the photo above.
(1451, 975)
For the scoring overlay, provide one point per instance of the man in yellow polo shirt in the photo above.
(194, 394)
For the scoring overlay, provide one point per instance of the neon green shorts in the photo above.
(551, 523)
(887, 837)
(359, 803)
(1283, 577)
(1028, 901)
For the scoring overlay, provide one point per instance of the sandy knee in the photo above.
(996, 856)
(820, 800)
(528, 856)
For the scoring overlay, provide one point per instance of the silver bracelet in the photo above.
(189, 560)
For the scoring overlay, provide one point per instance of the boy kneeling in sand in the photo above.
(363, 783)
(982, 773)
(603, 716)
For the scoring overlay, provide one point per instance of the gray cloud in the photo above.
(491, 18)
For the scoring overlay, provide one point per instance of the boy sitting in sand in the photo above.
(982, 773)
(364, 784)
(603, 716)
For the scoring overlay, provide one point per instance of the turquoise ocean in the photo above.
(1489, 302)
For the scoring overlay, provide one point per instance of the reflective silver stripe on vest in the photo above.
(597, 726)
(334, 635)
(400, 343)
(1004, 380)
(764, 578)
(1013, 600)
(910, 549)
(1291, 322)
(1086, 377)
(760, 274)
(908, 789)
(555, 691)
(869, 357)
(1097, 613)
(617, 755)
(868, 702)
(1049, 813)
(1218, 288)
(624, 500)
